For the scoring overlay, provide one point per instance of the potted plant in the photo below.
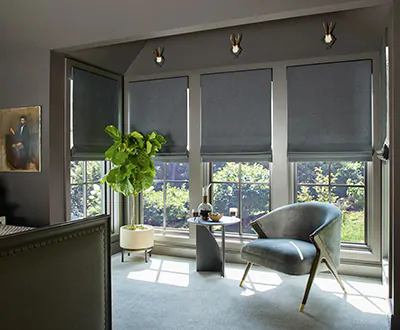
(133, 171)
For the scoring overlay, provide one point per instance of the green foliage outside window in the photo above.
(340, 183)
(254, 181)
(88, 175)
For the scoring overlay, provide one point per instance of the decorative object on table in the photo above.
(216, 216)
(296, 239)
(195, 213)
(205, 208)
(235, 41)
(133, 172)
(328, 39)
(20, 139)
(159, 57)
(233, 211)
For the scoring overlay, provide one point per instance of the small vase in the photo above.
(205, 208)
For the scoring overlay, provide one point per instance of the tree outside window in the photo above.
(339, 183)
(245, 186)
(87, 194)
(166, 202)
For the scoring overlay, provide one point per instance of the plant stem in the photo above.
(133, 210)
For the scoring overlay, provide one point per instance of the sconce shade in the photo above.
(235, 41)
(328, 39)
(159, 58)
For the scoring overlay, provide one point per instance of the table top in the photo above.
(224, 221)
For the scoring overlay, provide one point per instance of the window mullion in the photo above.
(165, 196)
(329, 183)
(240, 200)
(84, 190)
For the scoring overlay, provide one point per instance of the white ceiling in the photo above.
(55, 24)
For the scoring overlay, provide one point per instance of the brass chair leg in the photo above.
(334, 272)
(246, 271)
(313, 273)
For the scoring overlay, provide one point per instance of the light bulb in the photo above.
(158, 59)
(328, 38)
(235, 49)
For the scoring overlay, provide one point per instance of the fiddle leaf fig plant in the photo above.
(131, 155)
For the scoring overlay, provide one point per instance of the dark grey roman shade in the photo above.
(96, 103)
(161, 105)
(329, 111)
(236, 116)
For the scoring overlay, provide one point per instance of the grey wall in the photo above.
(24, 80)
(58, 148)
(356, 30)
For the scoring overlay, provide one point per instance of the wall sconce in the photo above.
(328, 39)
(235, 41)
(159, 58)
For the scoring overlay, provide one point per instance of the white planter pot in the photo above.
(136, 239)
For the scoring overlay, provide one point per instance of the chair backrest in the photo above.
(296, 221)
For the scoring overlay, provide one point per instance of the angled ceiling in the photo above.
(55, 24)
(115, 58)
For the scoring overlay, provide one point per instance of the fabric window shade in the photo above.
(161, 105)
(329, 111)
(96, 103)
(236, 116)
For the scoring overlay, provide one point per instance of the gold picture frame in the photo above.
(20, 139)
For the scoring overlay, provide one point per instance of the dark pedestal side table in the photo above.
(209, 257)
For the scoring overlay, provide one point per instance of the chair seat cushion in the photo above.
(289, 256)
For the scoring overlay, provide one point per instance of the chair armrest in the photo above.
(327, 239)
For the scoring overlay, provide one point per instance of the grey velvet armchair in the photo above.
(296, 239)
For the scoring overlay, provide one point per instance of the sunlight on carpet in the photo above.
(365, 295)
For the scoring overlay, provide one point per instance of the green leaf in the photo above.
(153, 135)
(147, 180)
(110, 152)
(136, 135)
(115, 134)
(143, 160)
(161, 139)
(123, 173)
(148, 146)
(111, 177)
(119, 158)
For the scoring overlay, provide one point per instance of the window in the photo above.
(166, 202)
(88, 195)
(245, 186)
(340, 183)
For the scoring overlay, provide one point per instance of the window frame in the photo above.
(330, 186)
(240, 183)
(113, 199)
(356, 259)
(164, 182)
(105, 194)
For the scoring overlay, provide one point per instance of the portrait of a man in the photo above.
(20, 139)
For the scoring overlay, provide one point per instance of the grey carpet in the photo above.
(168, 293)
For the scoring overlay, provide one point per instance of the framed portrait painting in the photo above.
(20, 140)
